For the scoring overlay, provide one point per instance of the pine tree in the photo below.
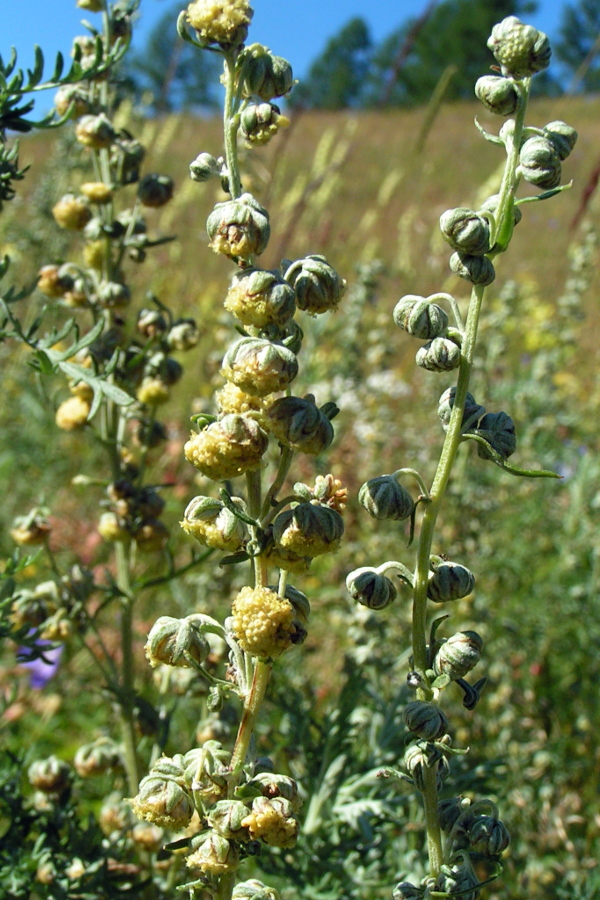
(579, 45)
(454, 33)
(171, 71)
(336, 78)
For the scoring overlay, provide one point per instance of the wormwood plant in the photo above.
(465, 839)
(231, 801)
(118, 374)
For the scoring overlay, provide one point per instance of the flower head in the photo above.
(220, 21)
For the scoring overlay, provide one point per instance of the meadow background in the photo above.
(366, 189)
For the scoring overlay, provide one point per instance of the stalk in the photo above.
(252, 706)
(503, 233)
(126, 704)
(419, 623)
(230, 127)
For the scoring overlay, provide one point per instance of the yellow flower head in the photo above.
(263, 622)
(220, 21)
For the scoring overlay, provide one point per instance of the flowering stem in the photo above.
(285, 462)
(421, 578)
(230, 128)
(126, 698)
(252, 705)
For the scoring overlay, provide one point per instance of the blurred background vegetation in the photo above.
(366, 186)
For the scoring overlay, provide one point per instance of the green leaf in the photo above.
(502, 463)
(99, 384)
(35, 74)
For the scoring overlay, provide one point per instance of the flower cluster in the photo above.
(476, 835)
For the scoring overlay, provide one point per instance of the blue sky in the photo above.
(296, 30)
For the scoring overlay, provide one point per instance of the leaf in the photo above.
(99, 384)
(502, 464)
(546, 194)
(35, 74)
(58, 67)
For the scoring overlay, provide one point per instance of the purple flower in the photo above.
(42, 669)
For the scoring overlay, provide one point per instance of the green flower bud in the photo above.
(226, 819)
(415, 762)
(97, 758)
(239, 228)
(459, 880)
(126, 156)
(183, 335)
(173, 641)
(405, 890)
(449, 581)
(204, 167)
(72, 94)
(498, 429)
(214, 525)
(419, 317)
(318, 286)
(259, 367)
(371, 589)
(163, 797)
(155, 190)
(113, 295)
(115, 814)
(71, 212)
(488, 835)
(128, 222)
(30, 530)
(96, 132)
(520, 49)
(214, 855)
(272, 785)
(300, 425)
(466, 231)
(491, 205)
(233, 445)
(476, 269)
(254, 890)
(151, 323)
(497, 94)
(562, 137)
(473, 411)
(205, 769)
(450, 810)
(51, 775)
(266, 75)
(259, 122)
(309, 529)
(458, 655)
(440, 354)
(426, 720)
(91, 5)
(540, 163)
(150, 433)
(301, 608)
(385, 498)
(259, 298)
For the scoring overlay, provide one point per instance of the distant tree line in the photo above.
(403, 70)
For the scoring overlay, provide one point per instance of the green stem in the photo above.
(226, 886)
(285, 461)
(126, 699)
(505, 210)
(252, 705)
(230, 128)
(421, 579)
